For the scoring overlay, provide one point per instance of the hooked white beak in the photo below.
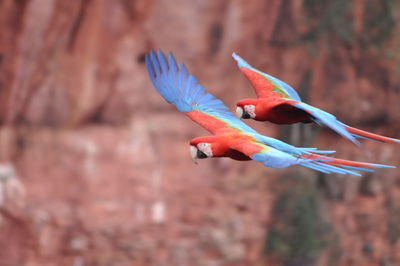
(193, 154)
(239, 112)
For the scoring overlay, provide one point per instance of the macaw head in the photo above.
(246, 109)
(205, 147)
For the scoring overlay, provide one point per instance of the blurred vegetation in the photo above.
(299, 232)
(393, 222)
(379, 23)
(328, 18)
(335, 20)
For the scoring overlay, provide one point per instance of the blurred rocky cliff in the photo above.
(95, 168)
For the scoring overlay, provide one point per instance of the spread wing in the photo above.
(325, 118)
(265, 84)
(179, 87)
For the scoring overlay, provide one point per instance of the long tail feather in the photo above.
(346, 163)
(357, 168)
(315, 150)
(334, 168)
(326, 168)
(358, 133)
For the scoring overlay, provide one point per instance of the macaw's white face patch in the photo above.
(205, 148)
(193, 153)
(239, 112)
(250, 110)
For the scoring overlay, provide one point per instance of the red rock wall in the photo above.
(95, 165)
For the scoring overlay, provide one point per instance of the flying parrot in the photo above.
(279, 103)
(231, 137)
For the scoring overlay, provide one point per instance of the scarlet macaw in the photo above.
(232, 138)
(279, 103)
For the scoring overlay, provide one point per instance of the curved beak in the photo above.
(193, 154)
(239, 112)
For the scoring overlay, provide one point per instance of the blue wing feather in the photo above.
(179, 87)
(173, 66)
(163, 62)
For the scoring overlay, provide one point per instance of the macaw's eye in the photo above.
(249, 111)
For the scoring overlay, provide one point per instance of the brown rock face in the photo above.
(95, 167)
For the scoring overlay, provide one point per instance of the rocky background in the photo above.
(95, 168)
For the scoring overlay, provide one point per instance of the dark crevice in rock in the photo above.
(216, 35)
(78, 23)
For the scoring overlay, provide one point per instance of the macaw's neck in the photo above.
(220, 147)
(280, 111)
(277, 110)
(264, 108)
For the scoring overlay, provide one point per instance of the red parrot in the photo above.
(279, 103)
(232, 138)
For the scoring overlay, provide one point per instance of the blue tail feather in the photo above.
(315, 167)
(325, 168)
(358, 168)
(335, 168)
(315, 150)
(382, 165)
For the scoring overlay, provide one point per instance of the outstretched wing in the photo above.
(265, 84)
(327, 119)
(179, 87)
